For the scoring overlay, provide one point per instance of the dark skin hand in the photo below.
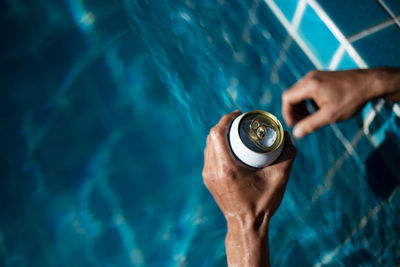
(339, 96)
(247, 197)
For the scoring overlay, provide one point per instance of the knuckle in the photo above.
(285, 96)
(204, 174)
(312, 74)
(315, 82)
(226, 116)
(216, 132)
(331, 115)
(208, 139)
(314, 78)
(206, 178)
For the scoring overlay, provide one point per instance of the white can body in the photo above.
(246, 155)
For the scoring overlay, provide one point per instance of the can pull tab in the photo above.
(264, 135)
(258, 129)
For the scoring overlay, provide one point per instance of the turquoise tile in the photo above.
(266, 18)
(364, 147)
(353, 16)
(288, 8)
(381, 48)
(318, 37)
(393, 5)
(368, 108)
(382, 164)
(346, 62)
(350, 128)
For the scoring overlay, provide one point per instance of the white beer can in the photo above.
(256, 138)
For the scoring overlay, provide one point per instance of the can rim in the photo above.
(275, 122)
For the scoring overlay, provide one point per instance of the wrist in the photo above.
(385, 83)
(246, 246)
(249, 223)
(246, 235)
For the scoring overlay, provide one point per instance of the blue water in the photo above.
(105, 107)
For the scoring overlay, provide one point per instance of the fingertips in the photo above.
(222, 128)
(226, 120)
(311, 123)
(298, 132)
(218, 136)
(220, 131)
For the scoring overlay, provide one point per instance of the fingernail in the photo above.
(298, 132)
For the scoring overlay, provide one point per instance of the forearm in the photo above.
(385, 83)
(247, 245)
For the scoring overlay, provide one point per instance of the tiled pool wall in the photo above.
(338, 35)
(341, 34)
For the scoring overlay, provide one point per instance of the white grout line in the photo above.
(337, 33)
(369, 31)
(396, 110)
(298, 14)
(339, 36)
(353, 53)
(278, 13)
(301, 6)
(336, 58)
(325, 186)
(387, 9)
(348, 146)
(345, 45)
(282, 57)
(251, 21)
(371, 115)
(361, 224)
(328, 178)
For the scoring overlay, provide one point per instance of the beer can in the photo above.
(256, 138)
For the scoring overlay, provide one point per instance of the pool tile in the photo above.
(393, 5)
(342, 12)
(346, 62)
(288, 8)
(364, 147)
(380, 48)
(318, 37)
(350, 128)
(383, 174)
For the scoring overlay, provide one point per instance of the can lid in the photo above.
(260, 131)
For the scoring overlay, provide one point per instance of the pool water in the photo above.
(105, 109)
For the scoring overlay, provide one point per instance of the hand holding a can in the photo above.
(248, 197)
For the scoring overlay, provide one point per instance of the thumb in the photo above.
(311, 123)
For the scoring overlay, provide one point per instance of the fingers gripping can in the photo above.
(256, 138)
